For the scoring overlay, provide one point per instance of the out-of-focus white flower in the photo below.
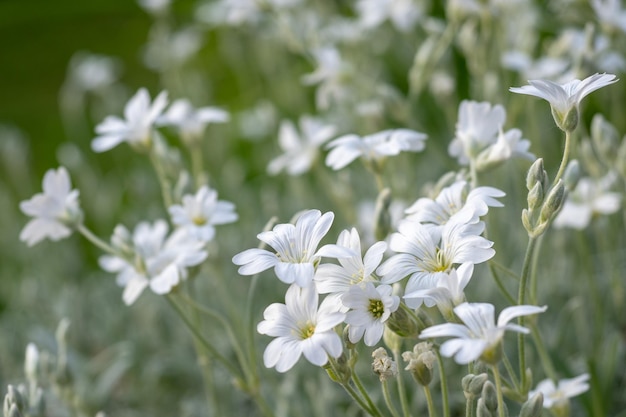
(296, 255)
(92, 72)
(300, 328)
(370, 307)
(239, 12)
(479, 137)
(337, 279)
(426, 253)
(137, 126)
(376, 147)
(259, 121)
(452, 200)
(480, 336)
(199, 213)
(56, 211)
(330, 75)
(189, 121)
(543, 67)
(565, 98)
(175, 49)
(155, 7)
(152, 259)
(404, 14)
(590, 197)
(556, 396)
(301, 149)
(610, 13)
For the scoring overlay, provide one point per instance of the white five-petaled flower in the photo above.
(296, 255)
(301, 149)
(565, 98)
(426, 253)
(199, 213)
(558, 395)
(370, 307)
(480, 336)
(152, 259)
(330, 76)
(479, 137)
(55, 210)
(337, 279)
(300, 328)
(453, 200)
(377, 146)
(137, 126)
(192, 122)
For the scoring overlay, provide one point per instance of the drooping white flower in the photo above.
(137, 126)
(402, 13)
(565, 98)
(480, 336)
(558, 395)
(189, 121)
(330, 76)
(301, 149)
(300, 328)
(55, 210)
(152, 259)
(337, 279)
(590, 197)
(479, 137)
(426, 253)
(452, 200)
(370, 307)
(377, 146)
(296, 255)
(199, 213)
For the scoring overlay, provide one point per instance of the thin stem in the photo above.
(351, 391)
(403, 400)
(499, 283)
(444, 385)
(364, 393)
(511, 372)
(498, 379)
(197, 164)
(432, 412)
(521, 297)
(96, 240)
(548, 367)
(388, 401)
(565, 159)
(163, 181)
(533, 272)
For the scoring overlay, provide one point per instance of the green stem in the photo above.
(403, 400)
(499, 283)
(548, 367)
(521, 298)
(163, 181)
(96, 240)
(444, 385)
(511, 372)
(351, 391)
(388, 401)
(565, 159)
(364, 393)
(197, 164)
(533, 271)
(432, 412)
(498, 379)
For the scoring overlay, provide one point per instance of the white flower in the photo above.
(480, 336)
(370, 307)
(331, 75)
(296, 253)
(192, 122)
(610, 13)
(565, 98)
(300, 328)
(373, 147)
(479, 136)
(155, 7)
(55, 210)
(447, 292)
(402, 13)
(557, 395)
(155, 260)
(91, 72)
(590, 197)
(454, 200)
(426, 253)
(331, 278)
(200, 212)
(136, 129)
(301, 150)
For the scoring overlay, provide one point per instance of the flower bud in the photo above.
(571, 175)
(533, 407)
(482, 410)
(13, 412)
(553, 202)
(490, 396)
(566, 122)
(421, 361)
(536, 173)
(382, 218)
(535, 197)
(403, 324)
(13, 399)
(473, 384)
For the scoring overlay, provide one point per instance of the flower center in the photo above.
(199, 220)
(376, 308)
(307, 330)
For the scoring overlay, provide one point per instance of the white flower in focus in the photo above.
(136, 128)
(152, 258)
(375, 147)
(330, 76)
(425, 253)
(555, 396)
(300, 328)
(199, 213)
(447, 293)
(370, 307)
(457, 199)
(296, 255)
(480, 336)
(402, 13)
(590, 197)
(337, 279)
(565, 98)
(192, 122)
(55, 210)
(301, 148)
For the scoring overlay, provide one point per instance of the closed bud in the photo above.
(536, 173)
(13, 412)
(13, 398)
(403, 324)
(382, 217)
(421, 361)
(489, 396)
(535, 197)
(553, 202)
(473, 384)
(526, 221)
(533, 407)
(566, 122)
(572, 175)
(482, 410)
